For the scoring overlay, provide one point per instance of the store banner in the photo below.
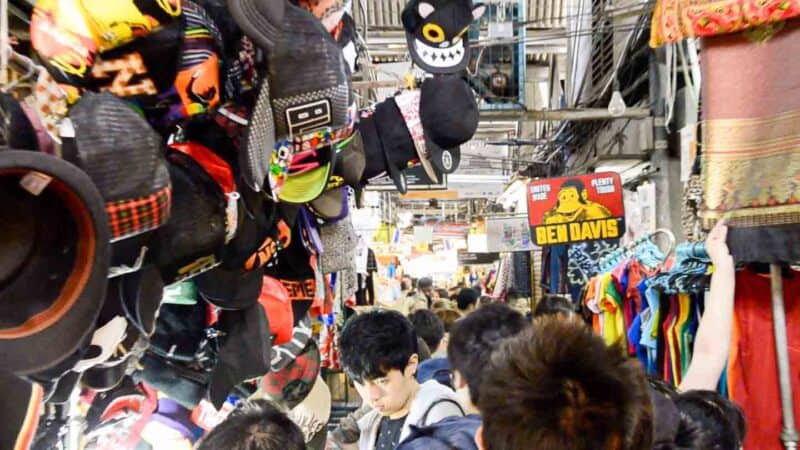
(576, 209)
(508, 234)
(416, 179)
(471, 259)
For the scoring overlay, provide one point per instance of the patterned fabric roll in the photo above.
(751, 143)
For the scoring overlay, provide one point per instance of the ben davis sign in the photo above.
(576, 209)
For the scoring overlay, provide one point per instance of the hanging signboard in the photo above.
(416, 180)
(508, 234)
(576, 209)
(470, 259)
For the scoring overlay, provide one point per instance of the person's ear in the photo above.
(413, 364)
(458, 380)
(479, 438)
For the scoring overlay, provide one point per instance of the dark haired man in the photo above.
(472, 341)
(573, 205)
(256, 425)
(379, 352)
(467, 300)
(558, 386)
(558, 305)
(431, 329)
(425, 287)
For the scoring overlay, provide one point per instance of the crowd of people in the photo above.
(498, 380)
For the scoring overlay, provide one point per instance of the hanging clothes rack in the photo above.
(625, 252)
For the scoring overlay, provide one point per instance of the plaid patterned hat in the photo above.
(122, 154)
(292, 384)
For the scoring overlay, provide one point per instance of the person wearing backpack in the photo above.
(473, 339)
(379, 352)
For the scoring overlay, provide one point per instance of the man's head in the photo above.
(554, 305)
(558, 386)
(379, 352)
(429, 327)
(467, 299)
(257, 425)
(720, 421)
(571, 196)
(472, 341)
(425, 286)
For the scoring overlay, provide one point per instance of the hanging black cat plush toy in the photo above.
(436, 32)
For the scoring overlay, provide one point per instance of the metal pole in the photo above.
(789, 434)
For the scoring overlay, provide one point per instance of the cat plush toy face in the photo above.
(436, 32)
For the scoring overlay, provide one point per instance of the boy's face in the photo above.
(392, 394)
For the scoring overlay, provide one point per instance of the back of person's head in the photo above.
(557, 385)
(256, 425)
(424, 283)
(475, 337)
(554, 305)
(443, 295)
(484, 300)
(467, 298)
(721, 422)
(449, 317)
(374, 343)
(428, 326)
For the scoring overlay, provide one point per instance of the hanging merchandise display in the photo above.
(750, 152)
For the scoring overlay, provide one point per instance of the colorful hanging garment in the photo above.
(752, 365)
(751, 142)
(674, 20)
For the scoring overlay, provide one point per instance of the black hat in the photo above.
(449, 117)
(373, 148)
(230, 288)
(192, 241)
(53, 259)
(17, 129)
(436, 32)
(397, 144)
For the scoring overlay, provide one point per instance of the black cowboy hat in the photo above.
(54, 259)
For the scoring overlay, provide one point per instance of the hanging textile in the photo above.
(674, 20)
(752, 365)
(522, 273)
(751, 142)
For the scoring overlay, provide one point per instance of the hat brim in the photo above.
(77, 305)
(396, 174)
(445, 160)
(317, 403)
(305, 187)
(331, 205)
(260, 20)
(293, 383)
(230, 289)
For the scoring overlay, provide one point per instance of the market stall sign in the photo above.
(576, 209)
(468, 259)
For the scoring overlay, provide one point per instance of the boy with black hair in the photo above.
(472, 341)
(255, 425)
(430, 328)
(379, 352)
(554, 305)
(558, 386)
(467, 299)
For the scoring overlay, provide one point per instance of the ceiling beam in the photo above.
(583, 114)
